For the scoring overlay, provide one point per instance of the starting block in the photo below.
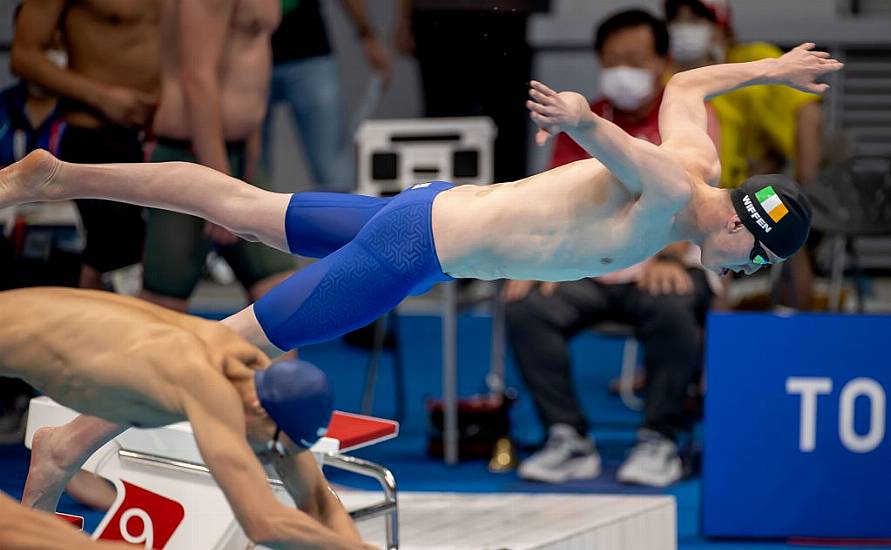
(184, 508)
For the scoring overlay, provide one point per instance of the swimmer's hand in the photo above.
(665, 278)
(514, 291)
(555, 112)
(802, 65)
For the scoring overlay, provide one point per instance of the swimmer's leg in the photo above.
(394, 255)
(317, 224)
(346, 290)
(309, 224)
(58, 453)
(248, 211)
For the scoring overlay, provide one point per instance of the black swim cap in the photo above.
(775, 210)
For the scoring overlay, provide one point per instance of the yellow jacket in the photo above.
(756, 121)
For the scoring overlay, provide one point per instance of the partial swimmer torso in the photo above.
(245, 71)
(114, 42)
(99, 356)
(568, 223)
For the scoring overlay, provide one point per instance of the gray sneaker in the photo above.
(653, 461)
(565, 456)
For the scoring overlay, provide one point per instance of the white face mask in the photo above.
(690, 41)
(627, 88)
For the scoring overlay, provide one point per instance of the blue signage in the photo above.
(796, 440)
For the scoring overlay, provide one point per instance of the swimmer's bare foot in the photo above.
(91, 490)
(48, 473)
(30, 179)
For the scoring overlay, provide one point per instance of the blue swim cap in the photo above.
(297, 397)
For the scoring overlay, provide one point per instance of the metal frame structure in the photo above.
(388, 507)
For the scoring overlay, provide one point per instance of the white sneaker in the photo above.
(654, 461)
(219, 269)
(565, 456)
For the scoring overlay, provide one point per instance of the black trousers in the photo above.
(668, 326)
(475, 63)
(115, 230)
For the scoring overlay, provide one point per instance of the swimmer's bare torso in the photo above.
(115, 357)
(571, 222)
(113, 53)
(242, 67)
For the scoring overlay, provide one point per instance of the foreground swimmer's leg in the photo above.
(58, 453)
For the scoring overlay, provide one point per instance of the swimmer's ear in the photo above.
(734, 225)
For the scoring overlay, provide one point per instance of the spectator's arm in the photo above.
(402, 36)
(203, 30)
(36, 24)
(809, 142)
(253, 152)
(375, 52)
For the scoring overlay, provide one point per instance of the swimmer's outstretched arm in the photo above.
(664, 171)
(682, 116)
(251, 212)
(643, 168)
(311, 492)
(215, 412)
(24, 529)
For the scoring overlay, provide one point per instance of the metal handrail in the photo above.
(387, 507)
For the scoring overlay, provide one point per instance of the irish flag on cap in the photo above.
(771, 203)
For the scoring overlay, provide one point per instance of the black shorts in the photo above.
(115, 232)
(176, 246)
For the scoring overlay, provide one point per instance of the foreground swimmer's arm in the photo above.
(24, 529)
(218, 423)
(311, 492)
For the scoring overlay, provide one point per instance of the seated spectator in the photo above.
(764, 129)
(664, 298)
